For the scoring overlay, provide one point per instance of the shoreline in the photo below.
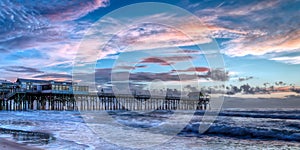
(280, 95)
(11, 145)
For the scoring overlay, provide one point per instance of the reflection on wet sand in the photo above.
(28, 137)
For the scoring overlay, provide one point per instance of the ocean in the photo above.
(231, 129)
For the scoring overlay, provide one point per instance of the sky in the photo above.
(191, 42)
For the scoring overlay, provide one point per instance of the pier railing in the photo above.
(38, 101)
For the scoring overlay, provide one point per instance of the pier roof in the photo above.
(43, 81)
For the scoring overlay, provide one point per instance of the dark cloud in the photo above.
(104, 76)
(4, 50)
(22, 69)
(218, 75)
(130, 67)
(29, 23)
(245, 78)
(65, 9)
(165, 61)
(101, 75)
(178, 58)
(54, 75)
(141, 66)
(156, 60)
(148, 77)
(15, 19)
(187, 51)
(193, 69)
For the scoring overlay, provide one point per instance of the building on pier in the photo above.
(30, 94)
(49, 86)
(5, 87)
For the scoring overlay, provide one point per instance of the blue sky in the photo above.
(258, 40)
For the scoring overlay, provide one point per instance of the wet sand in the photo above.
(10, 145)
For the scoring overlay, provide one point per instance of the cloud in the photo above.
(104, 76)
(151, 36)
(54, 76)
(26, 54)
(55, 30)
(288, 60)
(156, 60)
(22, 69)
(15, 19)
(287, 42)
(241, 79)
(22, 19)
(187, 51)
(4, 50)
(250, 8)
(43, 35)
(265, 26)
(214, 75)
(218, 75)
(101, 75)
(194, 69)
(50, 28)
(65, 10)
(123, 34)
(130, 67)
(167, 60)
(191, 88)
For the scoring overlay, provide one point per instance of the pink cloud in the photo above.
(167, 60)
(156, 60)
(195, 69)
(65, 10)
(263, 45)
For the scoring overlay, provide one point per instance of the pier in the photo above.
(21, 101)
(28, 94)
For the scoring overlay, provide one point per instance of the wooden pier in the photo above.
(22, 101)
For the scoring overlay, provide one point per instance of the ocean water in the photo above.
(232, 129)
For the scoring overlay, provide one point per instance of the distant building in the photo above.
(145, 94)
(5, 86)
(197, 95)
(173, 94)
(193, 95)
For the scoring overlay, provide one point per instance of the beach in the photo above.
(11, 145)
(242, 123)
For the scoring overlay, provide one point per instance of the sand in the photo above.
(10, 145)
(271, 95)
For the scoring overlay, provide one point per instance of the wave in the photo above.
(242, 124)
(242, 132)
(257, 114)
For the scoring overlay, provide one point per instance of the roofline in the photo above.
(46, 81)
